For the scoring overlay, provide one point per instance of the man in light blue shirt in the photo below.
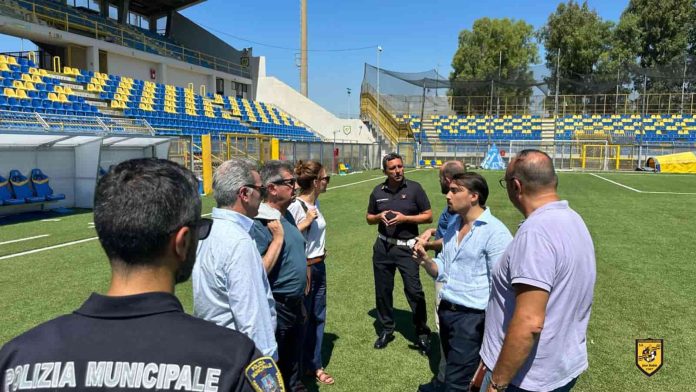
(230, 287)
(472, 245)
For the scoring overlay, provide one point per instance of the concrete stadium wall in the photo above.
(129, 66)
(193, 36)
(273, 91)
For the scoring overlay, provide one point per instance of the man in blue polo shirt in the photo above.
(287, 268)
(473, 243)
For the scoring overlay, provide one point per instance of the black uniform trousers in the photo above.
(290, 316)
(386, 258)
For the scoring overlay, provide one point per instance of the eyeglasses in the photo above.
(503, 181)
(260, 188)
(287, 182)
(202, 227)
(325, 178)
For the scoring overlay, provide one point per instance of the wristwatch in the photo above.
(498, 387)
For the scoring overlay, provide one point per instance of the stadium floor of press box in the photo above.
(642, 226)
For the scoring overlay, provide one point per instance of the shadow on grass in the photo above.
(31, 216)
(326, 351)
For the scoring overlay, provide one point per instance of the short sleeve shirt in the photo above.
(315, 234)
(409, 199)
(553, 251)
(289, 275)
(138, 342)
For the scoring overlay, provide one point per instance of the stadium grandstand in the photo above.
(140, 75)
(417, 113)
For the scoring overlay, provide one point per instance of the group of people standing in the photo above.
(512, 311)
(261, 271)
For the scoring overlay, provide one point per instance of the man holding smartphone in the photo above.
(398, 206)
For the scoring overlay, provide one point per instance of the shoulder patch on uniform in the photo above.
(264, 376)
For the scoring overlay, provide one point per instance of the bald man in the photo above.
(543, 282)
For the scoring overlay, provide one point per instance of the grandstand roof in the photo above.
(153, 7)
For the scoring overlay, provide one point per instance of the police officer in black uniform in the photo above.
(398, 206)
(137, 336)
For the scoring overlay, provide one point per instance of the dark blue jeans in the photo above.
(461, 334)
(290, 317)
(315, 303)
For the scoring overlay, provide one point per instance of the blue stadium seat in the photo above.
(22, 188)
(7, 197)
(42, 188)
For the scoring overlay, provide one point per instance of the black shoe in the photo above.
(423, 344)
(432, 386)
(383, 339)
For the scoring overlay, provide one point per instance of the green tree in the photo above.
(659, 35)
(498, 50)
(587, 62)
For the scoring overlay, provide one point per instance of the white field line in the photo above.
(368, 180)
(94, 238)
(639, 191)
(24, 239)
(616, 183)
(47, 248)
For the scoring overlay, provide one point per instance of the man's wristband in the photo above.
(498, 387)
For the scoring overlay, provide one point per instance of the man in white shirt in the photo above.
(230, 287)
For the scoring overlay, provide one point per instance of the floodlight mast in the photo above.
(304, 89)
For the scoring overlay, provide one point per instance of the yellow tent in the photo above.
(683, 162)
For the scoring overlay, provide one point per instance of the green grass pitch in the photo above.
(646, 266)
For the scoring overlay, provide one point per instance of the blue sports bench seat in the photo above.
(22, 188)
(6, 196)
(40, 181)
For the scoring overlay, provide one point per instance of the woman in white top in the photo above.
(312, 180)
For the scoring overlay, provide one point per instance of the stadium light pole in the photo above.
(379, 53)
(349, 105)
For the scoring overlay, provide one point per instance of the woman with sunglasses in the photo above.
(312, 181)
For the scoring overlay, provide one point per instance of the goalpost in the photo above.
(601, 156)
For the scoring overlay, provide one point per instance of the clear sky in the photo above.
(416, 35)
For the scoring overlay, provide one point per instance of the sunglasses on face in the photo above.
(202, 227)
(260, 188)
(287, 182)
(325, 178)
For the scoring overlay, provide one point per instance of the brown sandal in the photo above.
(324, 377)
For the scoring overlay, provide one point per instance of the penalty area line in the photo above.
(368, 180)
(24, 239)
(47, 248)
(615, 183)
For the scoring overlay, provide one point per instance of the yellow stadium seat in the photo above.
(9, 92)
(36, 78)
(62, 98)
(29, 86)
(58, 89)
(18, 85)
(67, 90)
(22, 94)
(11, 60)
(3, 59)
(4, 67)
(26, 77)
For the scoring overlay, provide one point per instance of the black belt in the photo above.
(289, 301)
(447, 305)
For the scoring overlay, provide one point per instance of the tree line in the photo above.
(649, 49)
